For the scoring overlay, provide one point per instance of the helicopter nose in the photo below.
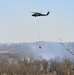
(32, 15)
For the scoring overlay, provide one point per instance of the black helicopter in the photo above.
(36, 14)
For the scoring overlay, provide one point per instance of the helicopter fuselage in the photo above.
(40, 14)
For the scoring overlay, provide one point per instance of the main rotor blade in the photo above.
(34, 12)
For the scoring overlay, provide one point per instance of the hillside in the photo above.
(49, 49)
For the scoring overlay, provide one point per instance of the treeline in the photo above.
(64, 67)
(37, 67)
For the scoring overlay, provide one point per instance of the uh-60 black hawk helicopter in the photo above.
(36, 14)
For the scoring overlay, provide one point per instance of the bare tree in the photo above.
(68, 49)
(45, 64)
